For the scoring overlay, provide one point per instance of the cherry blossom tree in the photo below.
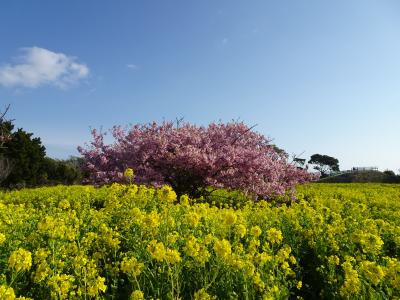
(192, 159)
(5, 136)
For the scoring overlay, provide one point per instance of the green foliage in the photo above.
(27, 156)
(300, 162)
(24, 155)
(61, 172)
(363, 177)
(324, 164)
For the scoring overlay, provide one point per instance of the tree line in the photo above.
(328, 167)
(23, 160)
(183, 165)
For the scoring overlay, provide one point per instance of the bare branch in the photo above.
(4, 113)
(247, 130)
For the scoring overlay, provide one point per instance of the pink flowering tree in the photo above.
(5, 136)
(192, 159)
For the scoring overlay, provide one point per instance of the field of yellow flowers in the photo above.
(134, 242)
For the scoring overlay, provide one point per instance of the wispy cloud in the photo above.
(38, 66)
(225, 41)
(132, 66)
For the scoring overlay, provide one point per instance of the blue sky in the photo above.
(316, 76)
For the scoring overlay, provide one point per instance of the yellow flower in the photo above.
(172, 237)
(292, 260)
(249, 268)
(236, 262)
(167, 194)
(371, 271)
(283, 253)
(203, 295)
(203, 256)
(352, 284)
(20, 259)
(7, 293)
(61, 285)
(240, 230)
(192, 218)
(96, 285)
(64, 204)
(184, 200)
(253, 246)
(156, 250)
(137, 295)
(42, 271)
(333, 260)
(151, 220)
(131, 266)
(369, 242)
(230, 217)
(192, 247)
(258, 281)
(256, 231)
(208, 239)
(128, 173)
(263, 258)
(222, 248)
(172, 256)
(2, 238)
(299, 285)
(274, 236)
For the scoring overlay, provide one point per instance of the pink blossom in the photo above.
(191, 158)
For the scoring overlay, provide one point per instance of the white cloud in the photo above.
(225, 41)
(132, 66)
(38, 66)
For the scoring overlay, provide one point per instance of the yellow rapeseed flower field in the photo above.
(336, 241)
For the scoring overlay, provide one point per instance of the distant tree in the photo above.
(390, 177)
(389, 173)
(27, 154)
(78, 163)
(324, 164)
(60, 172)
(300, 162)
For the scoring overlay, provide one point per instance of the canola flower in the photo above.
(192, 246)
(230, 217)
(203, 295)
(352, 284)
(372, 271)
(139, 242)
(128, 174)
(2, 238)
(61, 285)
(222, 248)
(156, 250)
(255, 231)
(172, 256)
(192, 218)
(7, 293)
(167, 194)
(274, 236)
(137, 295)
(20, 259)
(241, 230)
(131, 266)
